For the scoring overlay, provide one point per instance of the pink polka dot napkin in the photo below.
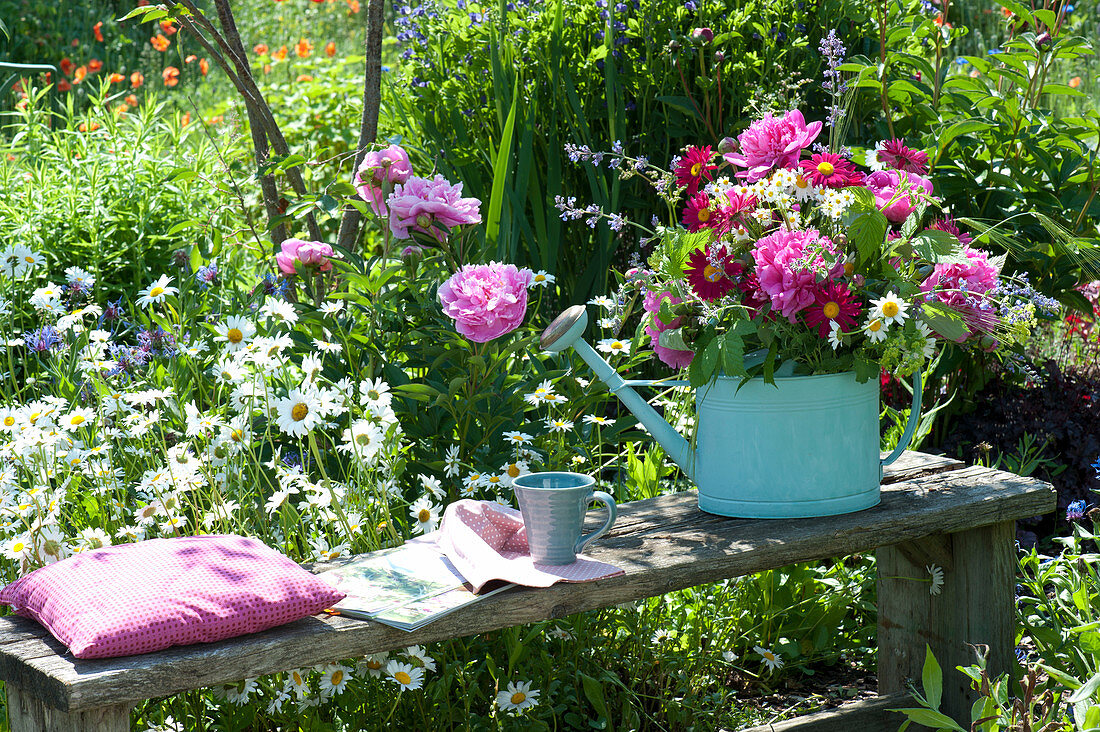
(486, 541)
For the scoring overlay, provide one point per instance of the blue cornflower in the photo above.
(42, 340)
(994, 51)
(1096, 467)
(1021, 655)
(206, 276)
(961, 61)
(272, 286)
(1075, 510)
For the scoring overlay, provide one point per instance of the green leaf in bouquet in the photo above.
(945, 321)
(938, 247)
(865, 200)
(867, 233)
(866, 370)
(708, 358)
(733, 354)
(665, 315)
(673, 339)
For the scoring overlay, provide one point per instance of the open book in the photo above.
(406, 587)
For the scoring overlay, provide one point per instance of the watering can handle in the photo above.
(911, 425)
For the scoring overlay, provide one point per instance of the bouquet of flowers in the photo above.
(783, 252)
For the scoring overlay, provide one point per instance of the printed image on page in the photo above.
(391, 578)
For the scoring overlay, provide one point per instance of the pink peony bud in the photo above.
(379, 172)
(706, 35)
(294, 252)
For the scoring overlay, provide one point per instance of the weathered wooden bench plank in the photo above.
(865, 715)
(664, 544)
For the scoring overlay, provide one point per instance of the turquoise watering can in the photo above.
(806, 447)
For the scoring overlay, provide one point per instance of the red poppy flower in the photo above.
(97, 29)
(160, 42)
(260, 49)
(137, 79)
(64, 85)
(66, 66)
(698, 213)
(832, 304)
(204, 66)
(330, 49)
(168, 27)
(171, 75)
(304, 48)
(830, 171)
(116, 77)
(712, 272)
(694, 167)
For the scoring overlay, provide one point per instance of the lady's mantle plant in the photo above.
(787, 252)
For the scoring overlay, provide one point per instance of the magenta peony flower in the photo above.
(306, 253)
(378, 168)
(895, 199)
(772, 142)
(949, 225)
(430, 206)
(788, 264)
(486, 300)
(963, 287)
(669, 356)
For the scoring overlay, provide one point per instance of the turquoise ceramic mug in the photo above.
(553, 507)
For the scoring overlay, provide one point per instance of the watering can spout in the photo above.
(567, 330)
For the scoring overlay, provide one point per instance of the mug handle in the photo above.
(612, 512)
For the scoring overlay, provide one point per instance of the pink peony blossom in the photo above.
(486, 300)
(788, 264)
(305, 253)
(963, 286)
(772, 142)
(379, 172)
(430, 206)
(669, 356)
(894, 198)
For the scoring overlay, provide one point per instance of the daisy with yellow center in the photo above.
(425, 515)
(298, 412)
(156, 292)
(875, 328)
(517, 697)
(405, 675)
(891, 309)
(771, 659)
(614, 345)
(235, 333)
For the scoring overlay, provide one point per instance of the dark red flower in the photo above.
(948, 224)
(894, 154)
(712, 272)
(832, 303)
(830, 171)
(699, 213)
(694, 167)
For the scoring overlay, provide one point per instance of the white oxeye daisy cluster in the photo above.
(19, 261)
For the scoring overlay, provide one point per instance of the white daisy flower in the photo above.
(375, 393)
(875, 329)
(404, 675)
(298, 412)
(559, 425)
(518, 438)
(331, 307)
(156, 292)
(426, 515)
(364, 439)
(936, 574)
(542, 279)
(543, 393)
(92, 538)
(77, 418)
(771, 659)
(511, 471)
(334, 679)
(235, 332)
(729, 656)
(421, 655)
(836, 340)
(890, 308)
(297, 683)
(594, 419)
(614, 345)
(373, 664)
(280, 311)
(517, 697)
(603, 301)
(451, 463)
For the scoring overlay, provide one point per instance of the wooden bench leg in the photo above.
(975, 606)
(27, 713)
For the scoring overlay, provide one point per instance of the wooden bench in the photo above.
(933, 511)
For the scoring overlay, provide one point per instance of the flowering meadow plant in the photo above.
(787, 252)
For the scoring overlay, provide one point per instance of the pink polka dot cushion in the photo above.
(138, 598)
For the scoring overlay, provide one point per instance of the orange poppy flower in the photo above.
(260, 49)
(267, 68)
(64, 85)
(167, 27)
(304, 48)
(97, 29)
(171, 76)
(131, 100)
(66, 66)
(80, 73)
(204, 66)
(330, 49)
(137, 79)
(76, 43)
(122, 109)
(84, 127)
(190, 57)
(116, 78)
(280, 54)
(1075, 82)
(95, 65)
(186, 120)
(216, 119)
(159, 42)
(304, 77)
(353, 6)
(1006, 12)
